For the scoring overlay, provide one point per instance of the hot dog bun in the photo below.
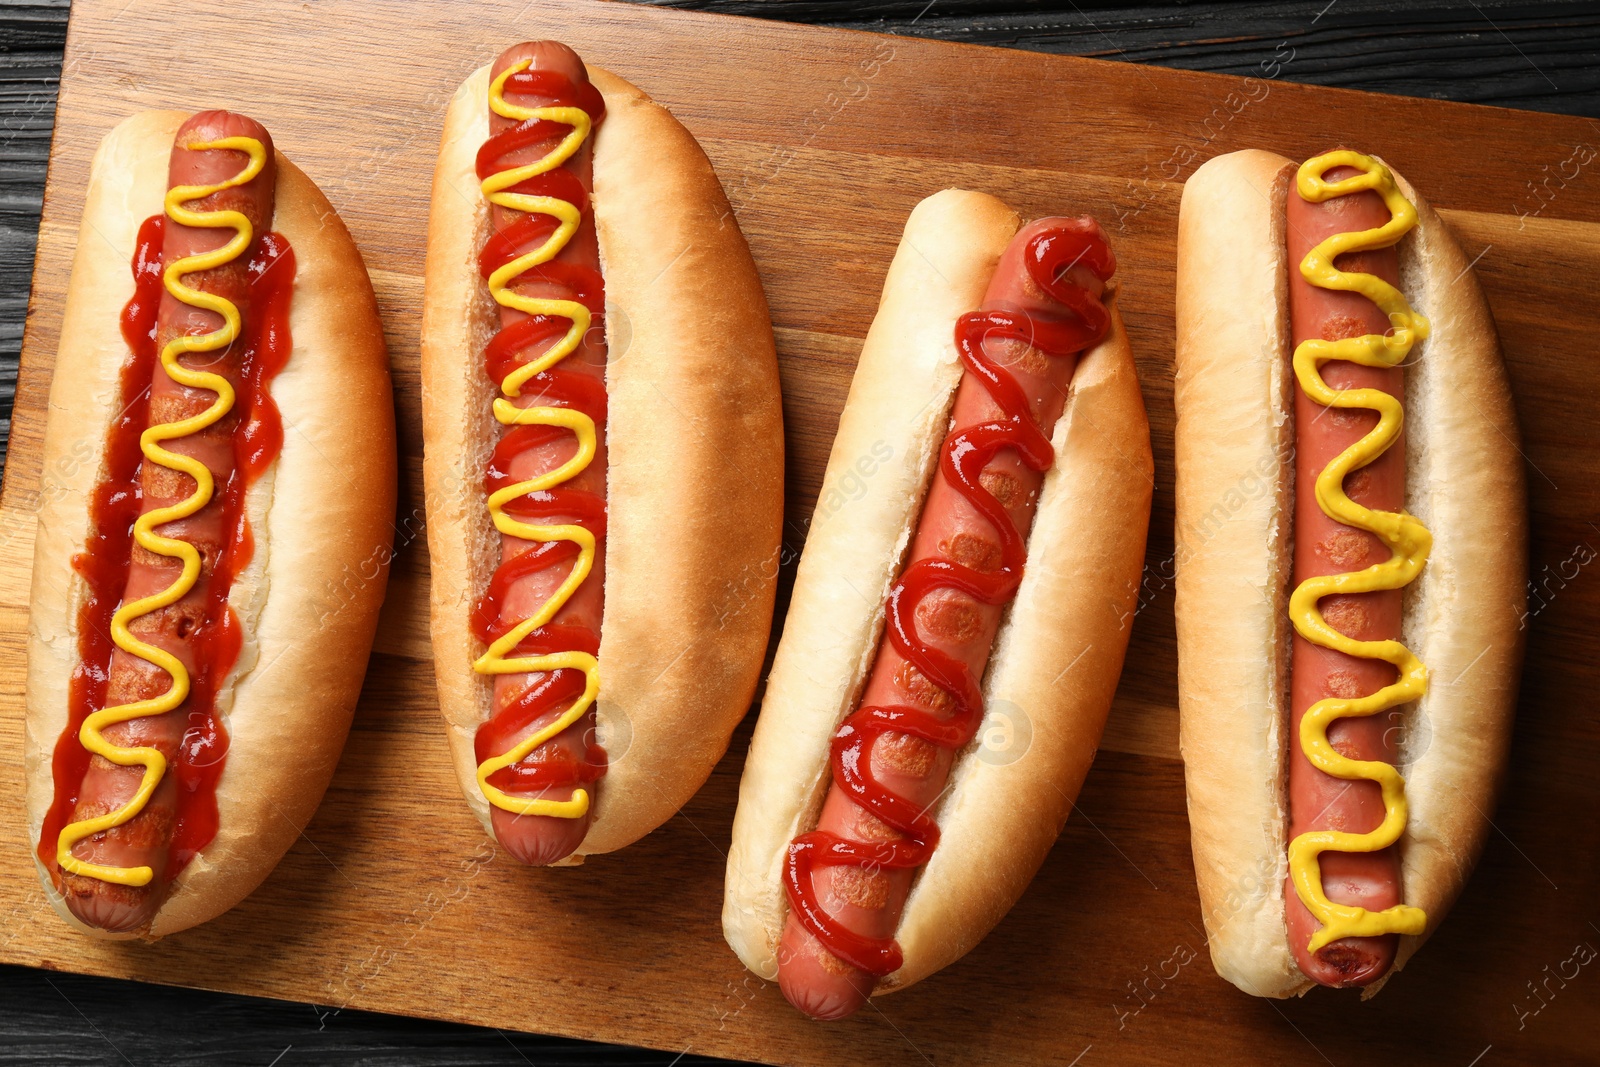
(695, 473)
(321, 517)
(1234, 545)
(1058, 653)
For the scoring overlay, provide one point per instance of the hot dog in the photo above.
(603, 456)
(1382, 560)
(994, 351)
(185, 542)
(1324, 546)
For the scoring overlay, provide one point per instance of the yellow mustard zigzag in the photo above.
(496, 189)
(1408, 539)
(154, 763)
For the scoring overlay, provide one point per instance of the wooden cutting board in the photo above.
(394, 901)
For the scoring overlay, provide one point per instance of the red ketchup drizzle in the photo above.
(115, 505)
(545, 767)
(965, 454)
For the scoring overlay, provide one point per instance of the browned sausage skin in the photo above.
(533, 838)
(1323, 546)
(144, 840)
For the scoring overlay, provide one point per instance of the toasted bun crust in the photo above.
(321, 515)
(695, 472)
(1234, 512)
(1056, 657)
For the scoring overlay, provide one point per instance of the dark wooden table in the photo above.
(1539, 56)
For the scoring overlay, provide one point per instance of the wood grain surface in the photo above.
(1516, 54)
(394, 901)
